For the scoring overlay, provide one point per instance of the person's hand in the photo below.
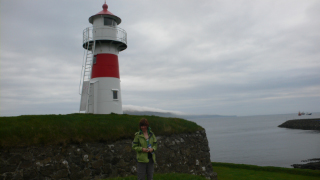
(150, 149)
(145, 150)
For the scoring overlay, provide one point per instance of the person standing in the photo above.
(145, 144)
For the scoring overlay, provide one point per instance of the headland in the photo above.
(89, 146)
(305, 124)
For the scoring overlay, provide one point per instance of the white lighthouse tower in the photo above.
(100, 77)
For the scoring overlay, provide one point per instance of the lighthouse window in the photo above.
(109, 22)
(94, 59)
(115, 94)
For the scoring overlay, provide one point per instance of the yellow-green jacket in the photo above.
(140, 142)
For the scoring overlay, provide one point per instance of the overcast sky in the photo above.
(198, 57)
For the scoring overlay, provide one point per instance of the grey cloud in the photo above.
(227, 57)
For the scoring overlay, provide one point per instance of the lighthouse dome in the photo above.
(105, 13)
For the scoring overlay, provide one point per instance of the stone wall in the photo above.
(183, 153)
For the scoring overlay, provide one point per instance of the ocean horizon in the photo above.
(257, 140)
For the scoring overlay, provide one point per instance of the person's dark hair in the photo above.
(143, 122)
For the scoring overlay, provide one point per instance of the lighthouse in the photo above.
(100, 78)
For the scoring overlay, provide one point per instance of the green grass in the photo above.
(30, 130)
(170, 176)
(228, 171)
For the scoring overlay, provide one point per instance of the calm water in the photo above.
(257, 140)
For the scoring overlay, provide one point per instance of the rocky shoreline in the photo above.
(313, 164)
(305, 124)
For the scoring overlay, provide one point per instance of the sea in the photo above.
(257, 140)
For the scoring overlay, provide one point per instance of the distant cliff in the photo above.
(170, 114)
(150, 113)
(305, 124)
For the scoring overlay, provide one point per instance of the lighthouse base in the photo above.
(104, 96)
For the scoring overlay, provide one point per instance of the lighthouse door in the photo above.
(93, 95)
(91, 99)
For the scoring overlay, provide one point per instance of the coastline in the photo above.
(304, 124)
(313, 164)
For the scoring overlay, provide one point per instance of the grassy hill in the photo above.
(30, 130)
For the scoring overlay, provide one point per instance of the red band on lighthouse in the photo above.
(106, 65)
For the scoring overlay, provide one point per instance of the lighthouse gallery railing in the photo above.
(104, 33)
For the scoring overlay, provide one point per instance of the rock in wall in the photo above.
(183, 153)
